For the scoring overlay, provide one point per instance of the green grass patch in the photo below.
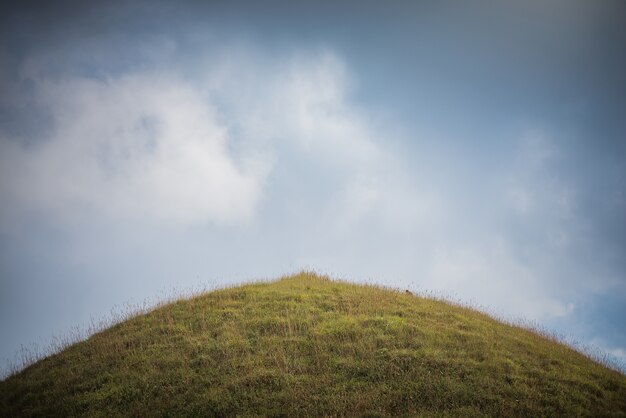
(309, 346)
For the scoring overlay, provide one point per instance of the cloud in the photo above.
(457, 241)
(139, 146)
(488, 273)
(150, 146)
(353, 188)
(287, 135)
(304, 112)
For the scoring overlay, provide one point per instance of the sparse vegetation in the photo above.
(309, 346)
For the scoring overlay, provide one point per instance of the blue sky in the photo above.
(477, 151)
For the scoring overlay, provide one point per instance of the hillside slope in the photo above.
(309, 346)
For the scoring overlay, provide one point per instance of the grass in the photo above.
(309, 346)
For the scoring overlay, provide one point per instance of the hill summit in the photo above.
(306, 345)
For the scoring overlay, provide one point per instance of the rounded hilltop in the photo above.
(309, 346)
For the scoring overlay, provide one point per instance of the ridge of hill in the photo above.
(306, 345)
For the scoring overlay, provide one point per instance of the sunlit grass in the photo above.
(309, 346)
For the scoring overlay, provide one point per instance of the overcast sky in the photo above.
(476, 150)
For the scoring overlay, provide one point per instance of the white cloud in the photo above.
(153, 147)
(140, 146)
(490, 275)
(307, 112)
(375, 205)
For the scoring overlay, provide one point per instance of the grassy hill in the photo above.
(309, 346)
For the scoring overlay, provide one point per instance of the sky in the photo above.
(474, 150)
